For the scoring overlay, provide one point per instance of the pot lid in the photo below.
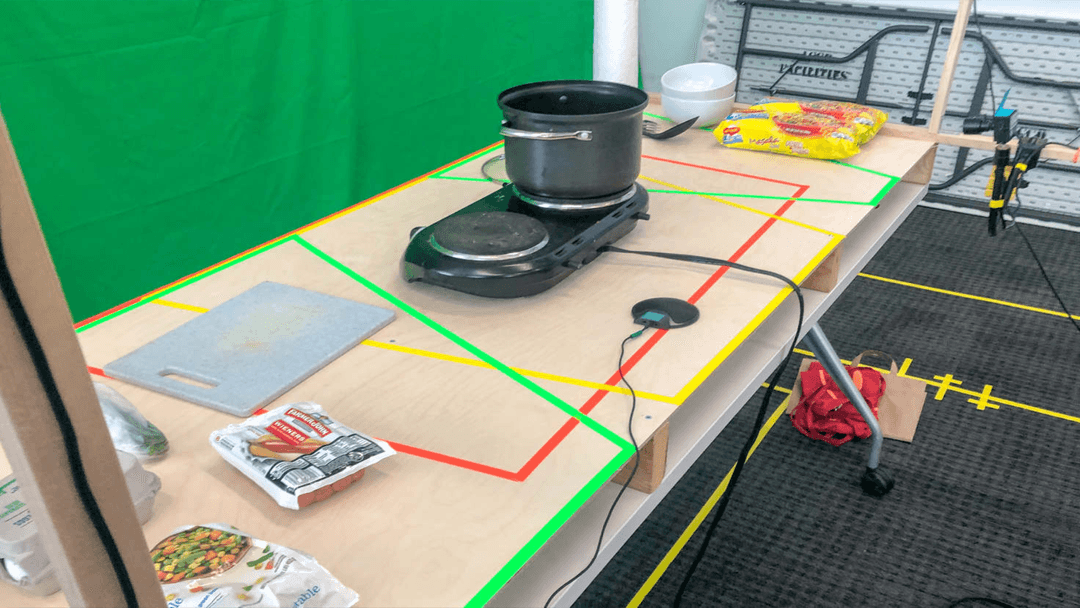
(574, 98)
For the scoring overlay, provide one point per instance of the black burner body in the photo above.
(503, 247)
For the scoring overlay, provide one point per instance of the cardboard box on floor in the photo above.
(898, 409)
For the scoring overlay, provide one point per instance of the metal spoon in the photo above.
(651, 130)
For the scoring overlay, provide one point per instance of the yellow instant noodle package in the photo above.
(863, 120)
(819, 129)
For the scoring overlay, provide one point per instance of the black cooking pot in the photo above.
(573, 139)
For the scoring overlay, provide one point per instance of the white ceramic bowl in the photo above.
(709, 112)
(701, 81)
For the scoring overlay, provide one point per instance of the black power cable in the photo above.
(1038, 262)
(721, 506)
(1027, 154)
(975, 166)
(1015, 175)
(633, 470)
(982, 600)
(67, 429)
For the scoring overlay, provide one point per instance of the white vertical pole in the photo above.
(615, 41)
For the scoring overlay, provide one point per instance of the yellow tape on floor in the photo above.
(702, 513)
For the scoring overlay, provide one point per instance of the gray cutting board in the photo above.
(252, 348)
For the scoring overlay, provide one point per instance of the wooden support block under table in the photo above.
(826, 275)
(652, 464)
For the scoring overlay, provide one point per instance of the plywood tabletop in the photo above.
(508, 413)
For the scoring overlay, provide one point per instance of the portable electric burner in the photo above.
(510, 244)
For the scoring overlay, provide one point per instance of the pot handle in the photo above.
(508, 132)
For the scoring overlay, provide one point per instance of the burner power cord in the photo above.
(633, 470)
(721, 506)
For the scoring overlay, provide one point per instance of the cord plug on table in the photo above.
(653, 319)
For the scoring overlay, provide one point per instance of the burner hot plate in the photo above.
(502, 246)
(489, 236)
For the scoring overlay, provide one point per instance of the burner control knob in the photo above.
(415, 231)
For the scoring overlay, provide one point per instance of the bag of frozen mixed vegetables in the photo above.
(217, 565)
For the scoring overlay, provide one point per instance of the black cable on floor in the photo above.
(721, 506)
(633, 470)
(1038, 262)
(67, 429)
(985, 600)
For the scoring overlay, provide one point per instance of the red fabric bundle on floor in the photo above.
(825, 413)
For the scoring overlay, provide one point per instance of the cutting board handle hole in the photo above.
(173, 374)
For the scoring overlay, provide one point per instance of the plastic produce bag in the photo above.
(130, 431)
(217, 565)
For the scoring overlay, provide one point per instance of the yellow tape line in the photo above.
(322, 222)
(475, 363)
(947, 383)
(983, 400)
(743, 207)
(525, 372)
(701, 515)
(754, 323)
(172, 304)
(968, 296)
(344, 212)
(1037, 410)
(678, 399)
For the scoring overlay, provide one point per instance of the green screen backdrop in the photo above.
(159, 137)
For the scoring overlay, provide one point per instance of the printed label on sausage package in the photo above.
(297, 453)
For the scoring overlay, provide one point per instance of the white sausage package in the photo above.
(298, 454)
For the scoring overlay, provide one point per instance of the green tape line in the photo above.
(626, 449)
(463, 179)
(884, 190)
(537, 541)
(836, 162)
(893, 180)
(181, 285)
(483, 356)
(762, 196)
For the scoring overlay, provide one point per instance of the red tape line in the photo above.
(527, 469)
(599, 395)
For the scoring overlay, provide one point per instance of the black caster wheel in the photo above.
(877, 482)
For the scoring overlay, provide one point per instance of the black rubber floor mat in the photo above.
(987, 502)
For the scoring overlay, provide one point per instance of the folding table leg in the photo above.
(876, 481)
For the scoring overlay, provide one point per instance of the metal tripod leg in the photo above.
(876, 481)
